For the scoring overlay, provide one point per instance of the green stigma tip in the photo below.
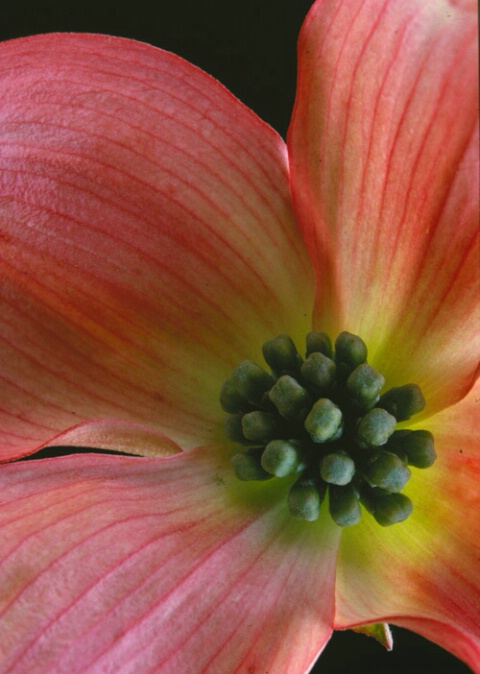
(283, 457)
(418, 446)
(337, 468)
(319, 342)
(375, 428)
(392, 509)
(291, 400)
(305, 499)
(259, 427)
(324, 422)
(281, 355)
(344, 506)
(388, 472)
(350, 352)
(247, 466)
(319, 371)
(403, 401)
(364, 385)
(251, 381)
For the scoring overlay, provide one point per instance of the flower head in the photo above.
(155, 233)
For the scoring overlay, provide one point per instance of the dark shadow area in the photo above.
(52, 452)
(352, 653)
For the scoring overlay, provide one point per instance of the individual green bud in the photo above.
(324, 422)
(231, 400)
(375, 428)
(247, 466)
(291, 400)
(260, 427)
(233, 428)
(337, 468)
(319, 371)
(350, 352)
(392, 508)
(367, 494)
(394, 445)
(305, 499)
(344, 507)
(281, 354)
(251, 381)
(319, 342)
(388, 472)
(403, 401)
(364, 385)
(419, 446)
(283, 457)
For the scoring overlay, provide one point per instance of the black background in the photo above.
(250, 46)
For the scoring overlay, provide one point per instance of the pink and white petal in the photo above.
(125, 564)
(148, 242)
(423, 574)
(119, 436)
(384, 159)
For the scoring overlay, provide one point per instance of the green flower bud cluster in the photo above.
(322, 424)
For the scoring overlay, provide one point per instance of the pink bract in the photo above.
(154, 233)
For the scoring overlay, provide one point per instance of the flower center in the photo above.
(324, 420)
